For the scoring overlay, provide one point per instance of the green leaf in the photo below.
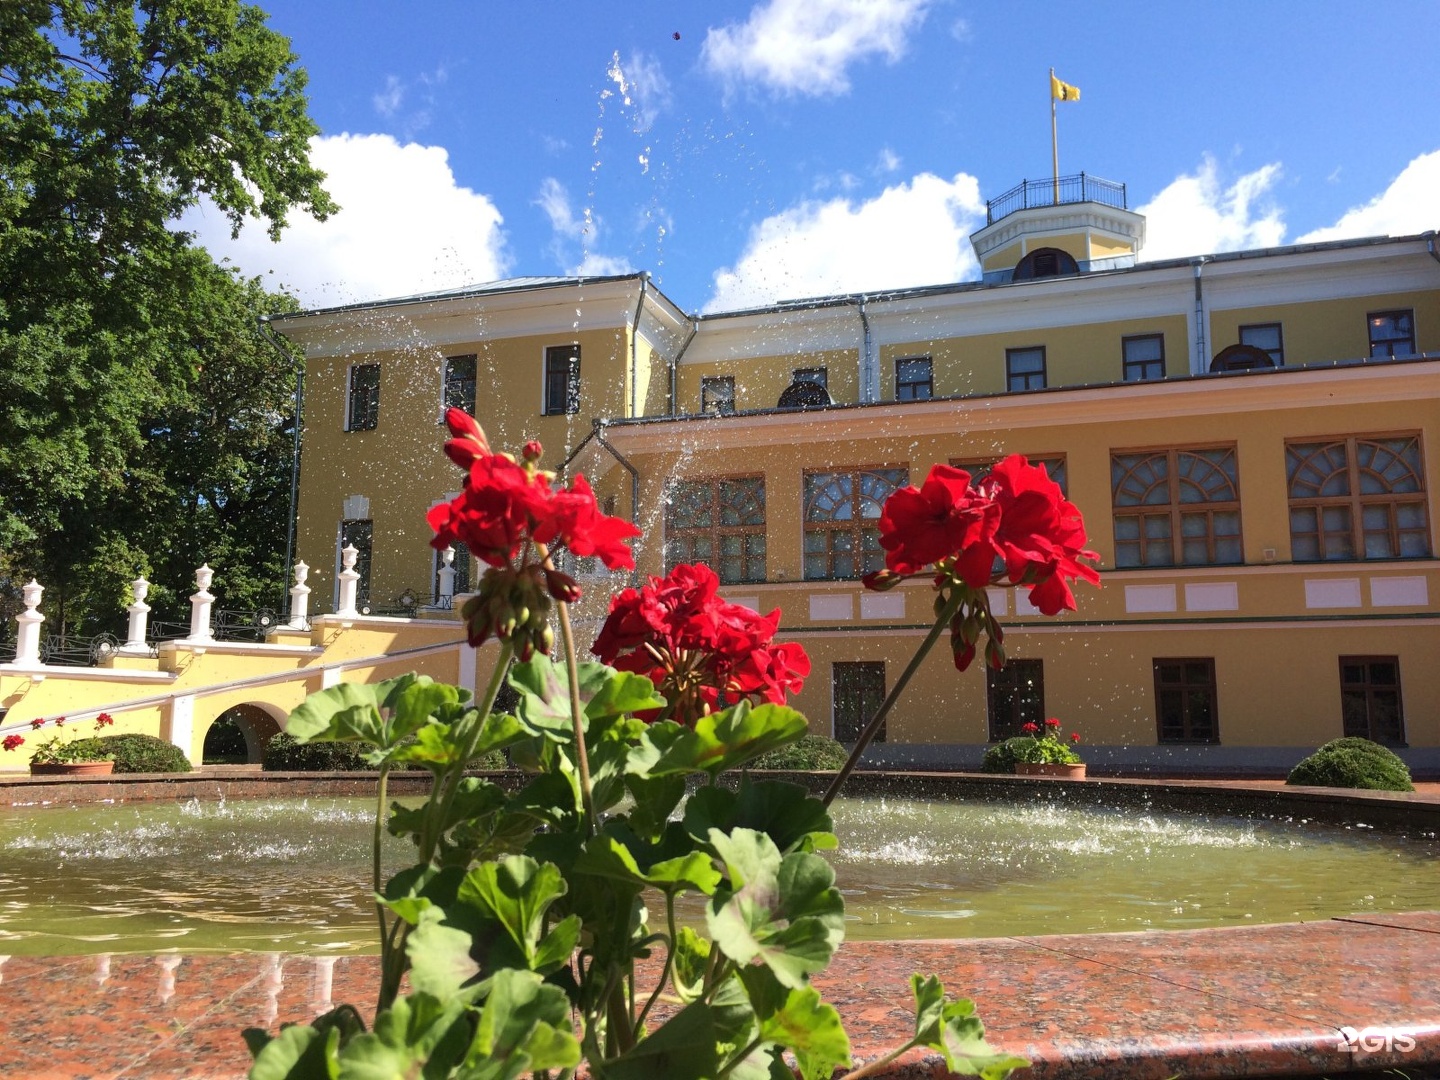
(783, 811)
(618, 853)
(416, 889)
(416, 1033)
(729, 738)
(799, 1021)
(692, 958)
(516, 892)
(524, 1028)
(952, 1029)
(655, 800)
(299, 1052)
(623, 693)
(347, 712)
(475, 797)
(412, 706)
(784, 912)
(545, 694)
(441, 960)
(682, 1049)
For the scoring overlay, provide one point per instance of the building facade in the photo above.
(1250, 437)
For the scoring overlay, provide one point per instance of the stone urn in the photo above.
(1049, 768)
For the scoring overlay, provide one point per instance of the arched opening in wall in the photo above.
(238, 736)
(1241, 358)
(1043, 263)
(802, 394)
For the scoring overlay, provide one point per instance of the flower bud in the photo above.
(532, 451)
(881, 580)
(464, 426)
(561, 586)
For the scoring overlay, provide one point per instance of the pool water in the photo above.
(291, 875)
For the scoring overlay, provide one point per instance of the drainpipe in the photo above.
(869, 374)
(675, 364)
(263, 323)
(1198, 366)
(599, 432)
(635, 346)
(1430, 246)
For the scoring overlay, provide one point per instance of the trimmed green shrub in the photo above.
(1001, 757)
(1353, 763)
(143, 754)
(815, 753)
(284, 754)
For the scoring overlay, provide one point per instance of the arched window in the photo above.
(1176, 507)
(1241, 358)
(803, 394)
(842, 521)
(1043, 263)
(1357, 498)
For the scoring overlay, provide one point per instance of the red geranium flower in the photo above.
(10, 742)
(37, 723)
(104, 720)
(1051, 722)
(1074, 736)
(1030, 727)
(942, 519)
(59, 721)
(696, 647)
(1041, 535)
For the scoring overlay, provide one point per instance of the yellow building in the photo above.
(1249, 436)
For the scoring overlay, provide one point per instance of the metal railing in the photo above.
(1078, 188)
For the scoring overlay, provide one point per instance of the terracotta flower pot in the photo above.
(73, 768)
(1046, 768)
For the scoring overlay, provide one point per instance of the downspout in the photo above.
(263, 323)
(869, 373)
(1198, 366)
(599, 433)
(635, 346)
(675, 364)
(1430, 246)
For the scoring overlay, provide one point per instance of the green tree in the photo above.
(143, 422)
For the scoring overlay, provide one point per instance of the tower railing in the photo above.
(1081, 187)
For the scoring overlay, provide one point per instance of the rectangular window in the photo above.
(362, 411)
(818, 375)
(1370, 699)
(360, 532)
(1144, 357)
(1357, 498)
(1392, 333)
(842, 521)
(459, 390)
(1267, 338)
(914, 379)
(718, 522)
(1015, 696)
(1054, 468)
(1025, 368)
(562, 379)
(1185, 701)
(858, 688)
(717, 394)
(1176, 507)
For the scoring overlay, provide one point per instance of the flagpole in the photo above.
(1054, 140)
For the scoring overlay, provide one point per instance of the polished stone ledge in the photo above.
(1230, 1002)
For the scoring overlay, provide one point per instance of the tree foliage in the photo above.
(144, 423)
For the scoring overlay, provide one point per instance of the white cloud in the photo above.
(1195, 216)
(405, 226)
(387, 102)
(644, 89)
(889, 161)
(915, 233)
(1407, 206)
(806, 46)
(574, 233)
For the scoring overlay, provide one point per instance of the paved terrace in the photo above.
(1244, 1001)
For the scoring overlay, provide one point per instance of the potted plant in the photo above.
(1042, 753)
(79, 757)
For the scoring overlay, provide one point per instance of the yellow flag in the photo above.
(1063, 91)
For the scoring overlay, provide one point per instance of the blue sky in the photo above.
(793, 148)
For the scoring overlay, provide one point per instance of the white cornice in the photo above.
(1209, 396)
(1066, 217)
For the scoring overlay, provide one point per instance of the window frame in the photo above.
(364, 558)
(1390, 353)
(716, 531)
(912, 385)
(1127, 365)
(362, 414)
(1000, 682)
(555, 355)
(1011, 375)
(722, 382)
(1175, 509)
(1277, 354)
(855, 667)
(1370, 689)
(1186, 689)
(820, 376)
(449, 382)
(855, 526)
(1356, 501)
(979, 468)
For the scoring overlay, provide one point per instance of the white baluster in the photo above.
(322, 983)
(139, 617)
(27, 637)
(300, 598)
(201, 602)
(447, 577)
(349, 582)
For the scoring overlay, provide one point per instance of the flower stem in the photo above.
(577, 716)
(957, 596)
